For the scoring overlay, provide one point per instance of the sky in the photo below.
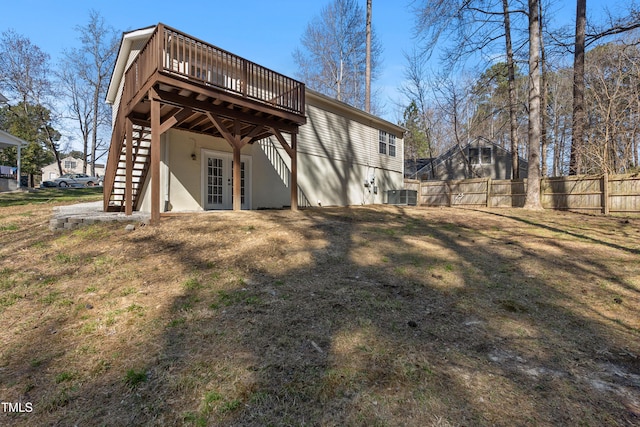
(262, 31)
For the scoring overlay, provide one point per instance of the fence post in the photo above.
(489, 192)
(605, 193)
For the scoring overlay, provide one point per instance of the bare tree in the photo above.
(560, 112)
(453, 98)
(24, 74)
(416, 89)
(627, 21)
(575, 166)
(474, 26)
(611, 99)
(332, 59)
(92, 63)
(544, 143)
(533, 173)
(79, 105)
(367, 77)
(513, 118)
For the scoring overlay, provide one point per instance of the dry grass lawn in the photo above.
(367, 316)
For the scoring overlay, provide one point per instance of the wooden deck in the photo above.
(180, 82)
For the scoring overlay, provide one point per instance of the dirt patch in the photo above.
(355, 316)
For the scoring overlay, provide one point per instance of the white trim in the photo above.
(123, 57)
(6, 139)
(227, 157)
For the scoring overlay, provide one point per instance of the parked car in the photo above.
(77, 180)
(48, 184)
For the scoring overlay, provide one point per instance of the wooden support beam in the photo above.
(155, 158)
(283, 141)
(217, 122)
(241, 102)
(128, 189)
(176, 119)
(237, 170)
(208, 107)
(254, 132)
(234, 139)
(237, 194)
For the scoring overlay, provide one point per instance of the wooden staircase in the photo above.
(141, 144)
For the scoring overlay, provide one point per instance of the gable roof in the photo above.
(412, 167)
(123, 56)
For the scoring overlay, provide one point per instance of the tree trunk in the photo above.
(367, 77)
(575, 164)
(533, 179)
(543, 99)
(85, 152)
(513, 120)
(94, 135)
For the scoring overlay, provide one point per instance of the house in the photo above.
(198, 128)
(69, 165)
(8, 180)
(412, 166)
(480, 158)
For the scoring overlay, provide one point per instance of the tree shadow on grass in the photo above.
(365, 316)
(409, 337)
(580, 236)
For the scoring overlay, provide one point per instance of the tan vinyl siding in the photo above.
(343, 135)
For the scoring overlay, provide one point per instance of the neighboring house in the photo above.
(198, 128)
(478, 159)
(69, 165)
(412, 166)
(8, 181)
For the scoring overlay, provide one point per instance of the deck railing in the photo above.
(183, 56)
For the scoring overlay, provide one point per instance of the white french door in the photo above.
(218, 180)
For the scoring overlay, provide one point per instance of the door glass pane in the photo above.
(214, 181)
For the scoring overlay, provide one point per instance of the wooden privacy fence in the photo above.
(604, 193)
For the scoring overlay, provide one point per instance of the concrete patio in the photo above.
(74, 216)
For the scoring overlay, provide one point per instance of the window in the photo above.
(69, 164)
(382, 142)
(486, 156)
(392, 145)
(386, 140)
(480, 156)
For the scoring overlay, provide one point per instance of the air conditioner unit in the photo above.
(402, 197)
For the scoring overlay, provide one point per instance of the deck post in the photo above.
(155, 158)
(294, 172)
(237, 184)
(128, 188)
